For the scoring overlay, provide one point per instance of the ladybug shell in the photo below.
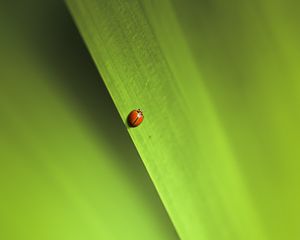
(135, 118)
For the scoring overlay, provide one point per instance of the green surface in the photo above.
(219, 86)
(68, 169)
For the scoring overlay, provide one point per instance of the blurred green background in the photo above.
(249, 55)
(68, 169)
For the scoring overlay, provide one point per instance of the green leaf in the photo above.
(218, 83)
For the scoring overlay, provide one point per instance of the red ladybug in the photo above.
(135, 117)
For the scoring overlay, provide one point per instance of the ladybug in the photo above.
(135, 117)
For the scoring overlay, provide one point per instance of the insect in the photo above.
(135, 117)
